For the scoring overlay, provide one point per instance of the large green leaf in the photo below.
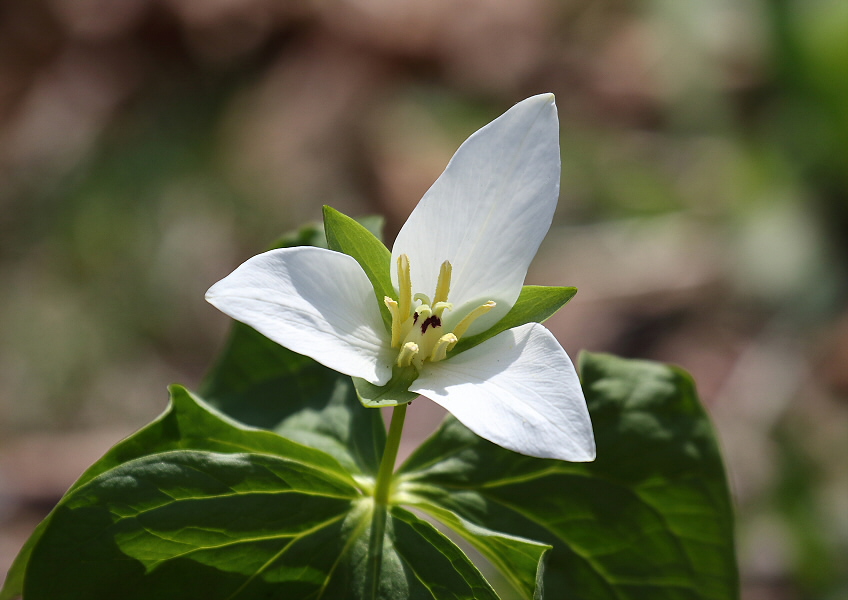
(187, 524)
(520, 561)
(649, 519)
(249, 516)
(187, 423)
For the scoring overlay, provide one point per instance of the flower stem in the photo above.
(387, 464)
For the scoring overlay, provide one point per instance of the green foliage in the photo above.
(199, 506)
(264, 488)
(257, 515)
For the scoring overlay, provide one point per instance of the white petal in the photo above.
(518, 390)
(488, 212)
(315, 302)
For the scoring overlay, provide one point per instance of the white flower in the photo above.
(469, 243)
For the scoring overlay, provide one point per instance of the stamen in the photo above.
(397, 321)
(407, 353)
(404, 286)
(440, 350)
(443, 283)
(466, 322)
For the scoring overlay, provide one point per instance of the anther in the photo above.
(407, 354)
(397, 320)
(404, 286)
(466, 322)
(443, 283)
(440, 350)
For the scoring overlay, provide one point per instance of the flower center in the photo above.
(417, 330)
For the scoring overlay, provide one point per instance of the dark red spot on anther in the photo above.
(414, 318)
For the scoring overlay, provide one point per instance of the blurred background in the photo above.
(147, 147)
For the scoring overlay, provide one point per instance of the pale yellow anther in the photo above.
(443, 283)
(407, 353)
(440, 350)
(466, 322)
(404, 285)
(397, 320)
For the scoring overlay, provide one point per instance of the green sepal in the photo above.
(394, 393)
(349, 237)
(535, 304)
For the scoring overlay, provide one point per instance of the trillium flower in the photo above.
(458, 267)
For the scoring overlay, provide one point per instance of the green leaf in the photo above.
(187, 423)
(392, 394)
(535, 304)
(191, 423)
(428, 563)
(650, 518)
(347, 236)
(189, 524)
(520, 560)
